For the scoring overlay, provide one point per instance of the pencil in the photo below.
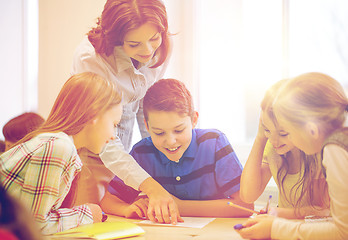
(243, 208)
(268, 202)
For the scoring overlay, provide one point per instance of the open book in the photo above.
(101, 231)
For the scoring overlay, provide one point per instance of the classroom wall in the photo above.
(62, 25)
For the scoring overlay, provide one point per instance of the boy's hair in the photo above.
(168, 95)
(121, 16)
(312, 97)
(18, 127)
(83, 97)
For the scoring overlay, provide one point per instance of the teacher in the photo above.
(130, 45)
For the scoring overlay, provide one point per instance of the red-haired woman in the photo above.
(130, 45)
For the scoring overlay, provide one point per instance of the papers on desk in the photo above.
(101, 231)
(190, 222)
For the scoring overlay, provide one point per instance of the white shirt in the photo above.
(133, 83)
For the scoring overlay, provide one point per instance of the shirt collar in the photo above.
(121, 60)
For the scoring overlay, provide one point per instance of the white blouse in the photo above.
(133, 83)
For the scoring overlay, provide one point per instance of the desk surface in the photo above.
(219, 229)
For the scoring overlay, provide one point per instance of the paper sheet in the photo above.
(190, 222)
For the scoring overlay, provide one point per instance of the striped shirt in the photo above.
(209, 168)
(39, 172)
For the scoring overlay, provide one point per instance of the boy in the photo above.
(197, 166)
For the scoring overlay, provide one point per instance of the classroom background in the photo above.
(228, 52)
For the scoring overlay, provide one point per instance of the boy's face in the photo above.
(171, 133)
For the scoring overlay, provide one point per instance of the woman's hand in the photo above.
(137, 209)
(162, 207)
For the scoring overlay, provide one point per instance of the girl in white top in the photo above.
(312, 108)
(130, 45)
(302, 186)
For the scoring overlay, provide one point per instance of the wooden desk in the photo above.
(219, 229)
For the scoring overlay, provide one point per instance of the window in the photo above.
(244, 46)
(19, 61)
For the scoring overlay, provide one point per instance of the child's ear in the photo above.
(195, 119)
(312, 129)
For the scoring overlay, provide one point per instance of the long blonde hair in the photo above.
(313, 97)
(305, 184)
(83, 97)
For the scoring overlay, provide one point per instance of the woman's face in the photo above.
(142, 43)
(277, 136)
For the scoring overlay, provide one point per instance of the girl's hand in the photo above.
(96, 212)
(257, 228)
(273, 211)
(261, 130)
(137, 209)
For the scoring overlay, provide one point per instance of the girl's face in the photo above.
(102, 129)
(170, 132)
(142, 43)
(277, 136)
(302, 137)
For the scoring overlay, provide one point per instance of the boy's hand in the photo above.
(137, 209)
(162, 207)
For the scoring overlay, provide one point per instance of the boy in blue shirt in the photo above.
(197, 166)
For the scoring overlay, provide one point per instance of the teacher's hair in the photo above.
(121, 16)
(83, 97)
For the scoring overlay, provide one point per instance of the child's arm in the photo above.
(113, 205)
(292, 213)
(213, 208)
(48, 176)
(256, 174)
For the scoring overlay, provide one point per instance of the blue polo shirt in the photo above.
(209, 169)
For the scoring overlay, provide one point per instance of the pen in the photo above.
(104, 217)
(240, 207)
(268, 202)
(238, 226)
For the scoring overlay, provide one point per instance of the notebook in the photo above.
(101, 231)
